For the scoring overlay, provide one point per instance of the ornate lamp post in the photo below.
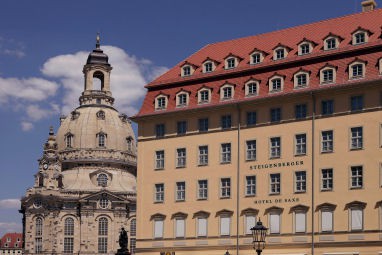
(259, 233)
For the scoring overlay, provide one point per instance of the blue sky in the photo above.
(44, 44)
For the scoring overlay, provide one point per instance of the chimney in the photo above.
(368, 5)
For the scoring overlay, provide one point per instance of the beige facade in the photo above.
(306, 161)
(85, 188)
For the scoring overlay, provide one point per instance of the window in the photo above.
(101, 139)
(104, 203)
(181, 157)
(356, 178)
(275, 147)
(356, 103)
(356, 138)
(304, 48)
(180, 191)
(251, 150)
(203, 125)
(356, 71)
(161, 102)
(225, 225)
(327, 107)
(203, 155)
(38, 245)
(202, 189)
(326, 220)
(100, 115)
(251, 89)
(69, 140)
(159, 193)
(179, 227)
(186, 70)
(133, 244)
(356, 219)
(250, 187)
(327, 141)
(276, 84)
(129, 141)
(38, 227)
(300, 181)
(159, 130)
(202, 227)
(327, 76)
(225, 187)
(226, 121)
(279, 53)
(227, 92)
(301, 80)
(275, 114)
(274, 223)
(300, 111)
(250, 222)
(327, 179)
(158, 228)
(208, 67)
(102, 180)
(359, 38)
(68, 245)
(182, 100)
(251, 118)
(226, 153)
(133, 227)
(69, 227)
(275, 183)
(255, 58)
(181, 127)
(230, 63)
(300, 222)
(330, 43)
(204, 96)
(102, 234)
(159, 159)
(300, 141)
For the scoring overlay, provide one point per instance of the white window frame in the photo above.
(250, 150)
(274, 184)
(300, 144)
(159, 192)
(180, 191)
(187, 70)
(250, 185)
(300, 182)
(202, 189)
(300, 49)
(296, 79)
(277, 52)
(159, 105)
(356, 138)
(225, 153)
(359, 32)
(227, 92)
(228, 63)
(260, 57)
(326, 43)
(356, 177)
(202, 100)
(225, 187)
(275, 147)
(181, 157)
(159, 159)
(208, 64)
(324, 80)
(327, 143)
(182, 99)
(327, 179)
(274, 78)
(351, 70)
(203, 155)
(249, 85)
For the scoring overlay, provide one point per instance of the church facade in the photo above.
(85, 188)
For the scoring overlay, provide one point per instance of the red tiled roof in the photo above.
(343, 27)
(5, 244)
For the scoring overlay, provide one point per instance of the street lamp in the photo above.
(258, 234)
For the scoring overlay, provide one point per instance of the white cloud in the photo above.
(10, 227)
(10, 203)
(26, 126)
(17, 53)
(35, 112)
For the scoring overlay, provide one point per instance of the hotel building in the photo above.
(283, 127)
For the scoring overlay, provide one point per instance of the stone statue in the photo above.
(123, 242)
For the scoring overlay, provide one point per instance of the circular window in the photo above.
(104, 203)
(101, 115)
(37, 203)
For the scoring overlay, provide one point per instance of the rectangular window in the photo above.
(275, 183)
(231, 63)
(208, 67)
(181, 157)
(204, 96)
(159, 159)
(327, 107)
(331, 43)
(202, 189)
(276, 84)
(256, 58)
(356, 103)
(326, 221)
(327, 179)
(225, 225)
(356, 219)
(280, 54)
(275, 147)
(202, 227)
(182, 100)
(102, 244)
(301, 111)
(305, 49)
(250, 222)
(274, 223)
(251, 118)
(226, 153)
(180, 191)
(159, 192)
(302, 80)
(300, 222)
(133, 245)
(158, 228)
(328, 76)
(181, 127)
(251, 150)
(159, 130)
(38, 245)
(275, 114)
(225, 187)
(179, 228)
(250, 188)
(327, 141)
(252, 89)
(300, 181)
(227, 93)
(226, 121)
(356, 138)
(203, 155)
(68, 244)
(203, 125)
(300, 141)
(356, 178)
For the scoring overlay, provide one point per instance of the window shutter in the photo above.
(224, 226)
(202, 227)
(275, 223)
(356, 219)
(300, 222)
(250, 221)
(326, 221)
(158, 228)
(179, 228)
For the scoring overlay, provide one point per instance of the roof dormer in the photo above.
(256, 56)
(209, 65)
(276, 83)
(357, 69)
(360, 36)
(280, 51)
(204, 95)
(305, 47)
(187, 69)
(332, 41)
(161, 101)
(231, 61)
(227, 91)
(252, 87)
(182, 98)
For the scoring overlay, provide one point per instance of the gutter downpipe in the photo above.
(238, 178)
(313, 170)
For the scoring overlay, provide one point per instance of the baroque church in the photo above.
(85, 188)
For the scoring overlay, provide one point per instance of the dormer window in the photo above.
(331, 42)
(327, 75)
(304, 48)
(256, 58)
(301, 79)
(186, 71)
(279, 54)
(161, 102)
(360, 36)
(251, 88)
(204, 96)
(276, 83)
(182, 99)
(226, 92)
(208, 67)
(357, 70)
(231, 63)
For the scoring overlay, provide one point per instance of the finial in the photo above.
(97, 41)
(51, 130)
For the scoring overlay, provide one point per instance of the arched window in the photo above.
(69, 140)
(101, 139)
(38, 238)
(133, 227)
(98, 80)
(39, 226)
(69, 227)
(102, 180)
(129, 141)
(40, 180)
(102, 234)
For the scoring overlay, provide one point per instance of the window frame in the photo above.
(180, 191)
(182, 99)
(181, 157)
(251, 119)
(250, 150)
(230, 62)
(300, 182)
(274, 183)
(225, 153)
(201, 95)
(280, 53)
(227, 92)
(226, 121)
(301, 111)
(159, 190)
(328, 78)
(275, 115)
(161, 102)
(160, 130)
(181, 127)
(250, 84)
(357, 103)
(225, 188)
(356, 179)
(159, 160)
(331, 43)
(250, 185)
(296, 79)
(272, 84)
(300, 145)
(357, 74)
(275, 147)
(327, 107)
(203, 155)
(356, 138)
(202, 189)
(327, 179)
